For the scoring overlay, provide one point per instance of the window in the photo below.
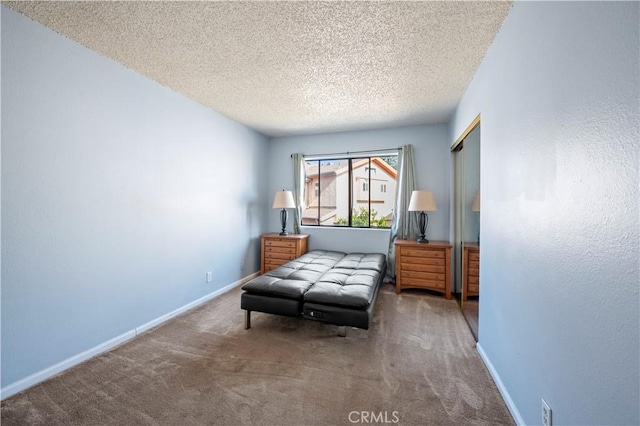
(344, 191)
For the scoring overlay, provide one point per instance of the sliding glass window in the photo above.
(354, 192)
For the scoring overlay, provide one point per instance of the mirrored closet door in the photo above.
(467, 224)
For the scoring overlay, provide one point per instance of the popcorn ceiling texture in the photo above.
(287, 68)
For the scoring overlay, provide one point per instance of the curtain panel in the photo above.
(404, 225)
(298, 191)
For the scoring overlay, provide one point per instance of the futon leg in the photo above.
(247, 320)
(342, 331)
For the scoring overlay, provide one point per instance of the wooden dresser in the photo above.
(470, 270)
(423, 265)
(279, 249)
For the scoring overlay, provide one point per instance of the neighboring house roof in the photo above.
(383, 165)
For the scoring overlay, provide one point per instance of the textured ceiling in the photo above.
(286, 68)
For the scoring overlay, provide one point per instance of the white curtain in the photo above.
(298, 191)
(404, 225)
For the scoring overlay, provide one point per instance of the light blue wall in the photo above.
(432, 163)
(118, 195)
(559, 317)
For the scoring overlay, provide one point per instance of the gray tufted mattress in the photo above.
(320, 285)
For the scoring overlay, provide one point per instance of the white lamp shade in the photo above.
(475, 206)
(284, 200)
(422, 201)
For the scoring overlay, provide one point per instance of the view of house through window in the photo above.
(351, 192)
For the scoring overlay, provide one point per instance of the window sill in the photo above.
(345, 228)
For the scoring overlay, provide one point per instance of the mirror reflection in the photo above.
(467, 226)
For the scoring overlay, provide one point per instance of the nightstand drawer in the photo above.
(280, 243)
(417, 282)
(474, 257)
(424, 267)
(474, 265)
(473, 280)
(422, 253)
(423, 260)
(473, 288)
(422, 275)
(277, 249)
(276, 255)
(269, 265)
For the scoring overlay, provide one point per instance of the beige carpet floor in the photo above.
(416, 365)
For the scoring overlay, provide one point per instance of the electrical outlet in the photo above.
(209, 276)
(546, 414)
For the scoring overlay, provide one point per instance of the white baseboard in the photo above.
(153, 323)
(503, 390)
(43, 375)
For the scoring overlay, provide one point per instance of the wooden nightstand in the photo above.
(423, 265)
(279, 249)
(471, 270)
